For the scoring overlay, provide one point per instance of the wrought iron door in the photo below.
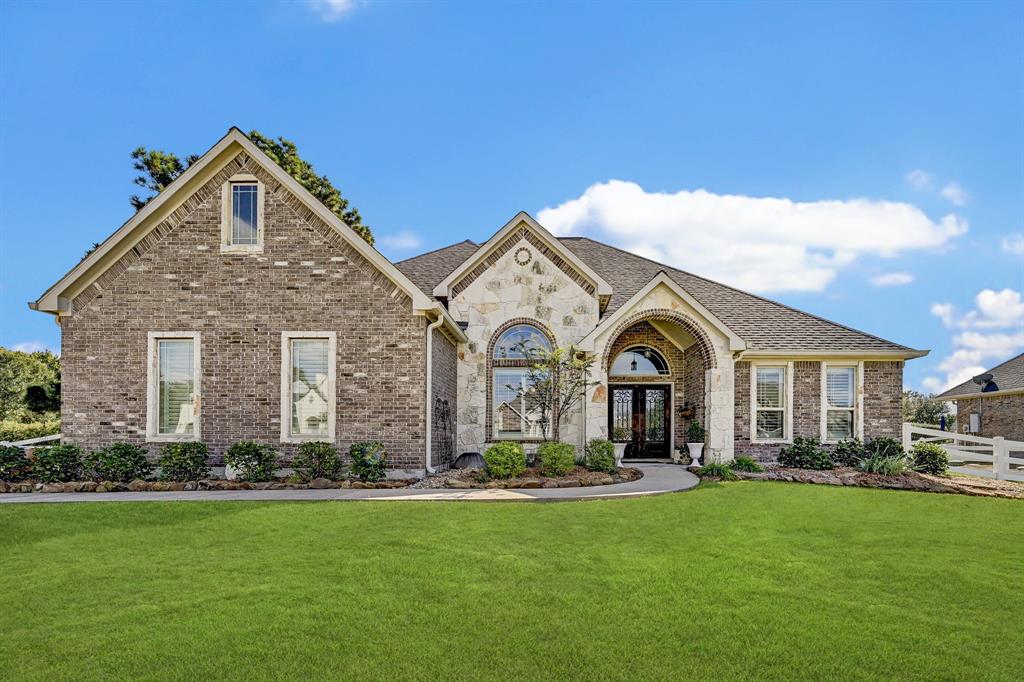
(639, 416)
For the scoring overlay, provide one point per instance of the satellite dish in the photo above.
(982, 379)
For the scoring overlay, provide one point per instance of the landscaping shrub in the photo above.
(805, 453)
(717, 470)
(695, 432)
(884, 465)
(505, 460)
(252, 461)
(556, 459)
(600, 455)
(58, 463)
(118, 462)
(746, 464)
(848, 452)
(14, 464)
(14, 430)
(368, 460)
(317, 459)
(184, 462)
(930, 458)
(884, 447)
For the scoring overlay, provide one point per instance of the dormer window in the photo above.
(242, 218)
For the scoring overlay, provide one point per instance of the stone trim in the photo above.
(505, 246)
(516, 362)
(683, 320)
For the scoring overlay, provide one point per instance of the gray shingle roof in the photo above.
(1009, 375)
(765, 325)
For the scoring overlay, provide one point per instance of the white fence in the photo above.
(973, 455)
(33, 441)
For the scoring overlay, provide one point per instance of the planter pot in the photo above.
(620, 451)
(696, 449)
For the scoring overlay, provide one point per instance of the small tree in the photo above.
(557, 380)
(919, 408)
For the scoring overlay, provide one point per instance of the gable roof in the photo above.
(56, 299)
(1009, 376)
(546, 241)
(428, 269)
(764, 325)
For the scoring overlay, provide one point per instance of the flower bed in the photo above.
(205, 484)
(577, 477)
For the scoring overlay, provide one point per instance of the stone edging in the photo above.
(139, 485)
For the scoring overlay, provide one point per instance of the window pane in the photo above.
(310, 387)
(519, 342)
(769, 424)
(243, 214)
(839, 386)
(177, 376)
(771, 386)
(839, 424)
(515, 415)
(639, 361)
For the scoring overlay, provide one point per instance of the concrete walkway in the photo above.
(657, 479)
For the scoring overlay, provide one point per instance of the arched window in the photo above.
(515, 410)
(639, 361)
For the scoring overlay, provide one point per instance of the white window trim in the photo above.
(153, 387)
(225, 215)
(286, 386)
(787, 418)
(858, 398)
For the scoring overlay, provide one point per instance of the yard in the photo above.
(729, 581)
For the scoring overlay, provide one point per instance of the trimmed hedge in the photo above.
(184, 462)
(369, 459)
(600, 455)
(805, 453)
(120, 462)
(11, 430)
(930, 458)
(556, 459)
(505, 460)
(848, 452)
(14, 464)
(58, 464)
(317, 459)
(253, 462)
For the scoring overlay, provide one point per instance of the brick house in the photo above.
(991, 404)
(234, 306)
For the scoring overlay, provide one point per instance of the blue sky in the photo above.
(864, 162)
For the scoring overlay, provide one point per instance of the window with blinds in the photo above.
(172, 403)
(840, 402)
(770, 403)
(244, 213)
(311, 392)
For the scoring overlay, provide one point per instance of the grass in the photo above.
(729, 581)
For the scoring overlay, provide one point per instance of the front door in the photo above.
(639, 416)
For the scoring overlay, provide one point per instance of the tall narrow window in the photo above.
(244, 213)
(173, 402)
(307, 386)
(516, 412)
(840, 402)
(770, 402)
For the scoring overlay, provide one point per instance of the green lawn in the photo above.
(729, 581)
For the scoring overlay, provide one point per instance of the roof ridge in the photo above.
(440, 248)
(741, 291)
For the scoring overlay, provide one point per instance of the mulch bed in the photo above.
(207, 484)
(531, 478)
(963, 485)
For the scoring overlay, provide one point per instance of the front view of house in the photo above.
(234, 306)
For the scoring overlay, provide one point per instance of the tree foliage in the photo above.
(29, 384)
(158, 169)
(557, 380)
(919, 408)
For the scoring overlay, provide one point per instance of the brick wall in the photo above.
(1001, 415)
(444, 384)
(883, 399)
(307, 279)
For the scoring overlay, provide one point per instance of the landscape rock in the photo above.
(138, 485)
(321, 483)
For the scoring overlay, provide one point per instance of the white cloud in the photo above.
(331, 11)
(954, 193)
(892, 279)
(402, 241)
(29, 346)
(973, 350)
(1014, 244)
(919, 179)
(756, 243)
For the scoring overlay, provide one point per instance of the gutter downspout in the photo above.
(430, 389)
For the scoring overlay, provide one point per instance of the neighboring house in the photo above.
(991, 404)
(235, 306)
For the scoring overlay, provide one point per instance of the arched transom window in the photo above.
(515, 410)
(639, 361)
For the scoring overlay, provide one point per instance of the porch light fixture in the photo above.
(632, 365)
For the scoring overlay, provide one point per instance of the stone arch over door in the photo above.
(717, 401)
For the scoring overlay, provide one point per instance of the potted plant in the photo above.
(695, 441)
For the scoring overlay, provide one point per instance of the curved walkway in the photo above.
(657, 479)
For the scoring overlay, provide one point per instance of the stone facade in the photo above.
(308, 278)
(532, 289)
(1001, 415)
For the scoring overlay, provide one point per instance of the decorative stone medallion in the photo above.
(523, 256)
